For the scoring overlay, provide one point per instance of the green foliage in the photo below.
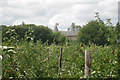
(118, 44)
(59, 38)
(111, 35)
(32, 32)
(118, 30)
(43, 33)
(98, 32)
(77, 28)
(93, 32)
(36, 60)
(26, 53)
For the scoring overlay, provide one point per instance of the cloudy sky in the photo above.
(48, 12)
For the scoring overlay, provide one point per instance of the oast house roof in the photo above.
(55, 29)
(70, 33)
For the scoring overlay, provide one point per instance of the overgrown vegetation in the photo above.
(93, 32)
(29, 60)
(98, 32)
(33, 51)
(32, 31)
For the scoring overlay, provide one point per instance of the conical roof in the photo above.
(22, 24)
(55, 27)
(72, 27)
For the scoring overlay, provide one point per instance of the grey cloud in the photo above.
(48, 12)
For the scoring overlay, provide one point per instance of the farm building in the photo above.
(71, 34)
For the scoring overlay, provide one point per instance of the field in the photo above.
(37, 60)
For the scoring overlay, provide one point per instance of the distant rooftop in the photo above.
(72, 26)
(70, 33)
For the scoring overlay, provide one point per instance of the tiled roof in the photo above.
(69, 33)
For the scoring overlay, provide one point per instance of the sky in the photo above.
(49, 12)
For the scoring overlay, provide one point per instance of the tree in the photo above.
(111, 34)
(32, 32)
(93, 32)
(59, 38)
(77, 28)
(43, 33)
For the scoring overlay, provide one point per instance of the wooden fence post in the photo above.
(48, 53)
(48, 50)
(60, 64)
(87, 63)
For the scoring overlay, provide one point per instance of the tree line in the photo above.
(31, 32)
(95, 31)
